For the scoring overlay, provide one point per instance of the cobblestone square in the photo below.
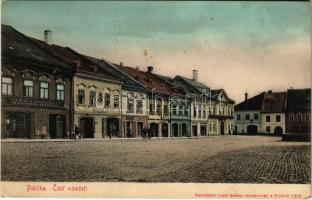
(219, 159)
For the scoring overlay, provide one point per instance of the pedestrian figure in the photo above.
(77, 132)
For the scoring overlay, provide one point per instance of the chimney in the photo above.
(195, 75)
(150, 69)
(121, 64)
(48, 37)
(246, 96)
(270, 91)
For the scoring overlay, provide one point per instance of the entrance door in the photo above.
(278, 130)
(87, 127)
(17, 125)
(175, 130)
(222, 127)
(252, 129)
(139, 128)
(184, 130)
(57, 126)
(164, 130)
(154, 130)
(194, 130)
(129, 129)
(113, 127)
(203, 129)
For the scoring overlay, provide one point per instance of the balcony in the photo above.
(31, 102)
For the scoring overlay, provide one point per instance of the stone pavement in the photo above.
(223, 159)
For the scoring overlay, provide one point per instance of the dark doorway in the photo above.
(252, 129)
(222, 127)
(57, 126)
(184, 130)
(113, 127)
(154, 130)
(164, 130)
(278, 130)
(139, 128)
(194, 130)
(87, 127)
(203, 130)
(129, 129)
(175, 130)
(17, 125)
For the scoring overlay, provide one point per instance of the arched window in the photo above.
(139, 104)
(81, 95)
(130, 103)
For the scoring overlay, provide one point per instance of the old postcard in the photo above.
(157, 99)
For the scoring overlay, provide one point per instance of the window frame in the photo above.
(60, 93)
(26, 88)
(7, 84)
(44, 89)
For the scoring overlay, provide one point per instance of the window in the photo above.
(92, 95)
(166, 110)
(151, 107)
(199, 111)
(210, 128)
(174, 108)
(268, 129)
(204, 113)
(81, 96)
(44, 90)
(299, 117)
(139, 106)
(28, 88)
(238, 117)
(307, 118)
(158, 107)
(247, 117)
(116, 101)
(256, 116)
(186, 109)
(100, 98)
(291, 117)
(267, 118)
(181, 108)
(107, 100)
(278, 118)
(194, 111)
(7, 86)
(60, 92)
(130, 104)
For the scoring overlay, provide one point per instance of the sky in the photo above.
(238, 46)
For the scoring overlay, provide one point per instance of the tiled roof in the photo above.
(198, 85)
(78, 61)
(274, 102)
(151, 81)
(298, 100)
(19, 46)
(254, 103)
(129, 83)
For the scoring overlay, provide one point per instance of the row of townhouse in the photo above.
(48, 90)
(275, 113)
